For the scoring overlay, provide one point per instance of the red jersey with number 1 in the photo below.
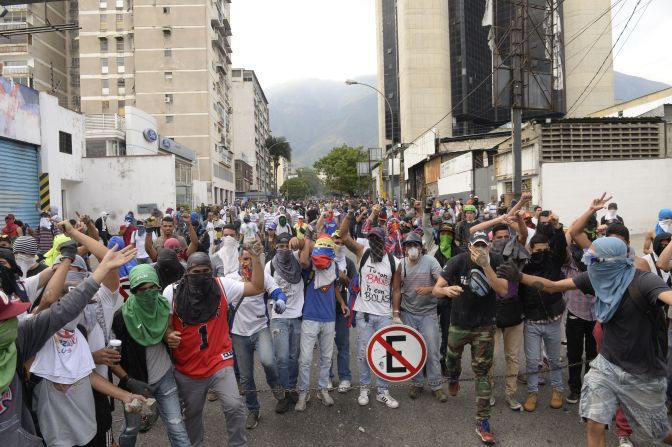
(205, 348)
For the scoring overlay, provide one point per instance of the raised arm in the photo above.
(510, 272)
(579, 225)
(355, 247)
(499, 285)
(665, 259)
(149, 244)
(54, 289)
(256, 285)
(193, 237)
(396, 296)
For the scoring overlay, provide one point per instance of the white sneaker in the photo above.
(363, 398)
(324, 396)
(344, 386)
(301, 403)
(330, 385)
(492, 401)
(388, 400)
(624, 441)
(513, 403)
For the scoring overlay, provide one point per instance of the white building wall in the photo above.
(637, 187)
(244, 146)
(137, 122)
(118, 184)
(62, 168)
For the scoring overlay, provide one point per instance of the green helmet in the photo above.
(468, 208)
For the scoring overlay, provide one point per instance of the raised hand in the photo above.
(600, 202)
(509, 271)
(526, 197)
(480, 258)
(114, 259)
(66, 227)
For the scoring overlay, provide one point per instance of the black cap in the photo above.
(283, 238)
(479, 236)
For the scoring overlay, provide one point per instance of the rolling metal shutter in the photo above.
(19, 188)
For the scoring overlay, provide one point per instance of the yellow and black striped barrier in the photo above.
(44, 192)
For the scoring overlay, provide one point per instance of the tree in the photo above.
(296, 188)
(278, 147)
(339, 168)
(310, 176)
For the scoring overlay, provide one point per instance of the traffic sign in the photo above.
(396, 353)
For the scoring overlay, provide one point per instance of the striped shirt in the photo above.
(423, 274)
(578, 303)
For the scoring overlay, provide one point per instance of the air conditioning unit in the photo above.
(167, 99)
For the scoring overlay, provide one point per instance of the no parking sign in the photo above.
(396, 353)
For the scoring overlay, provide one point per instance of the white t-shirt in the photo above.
(140, 244)
(65, 358)
(294, 293)
(233, 289)
(252, 314)
(249, 232)
(375, 285)
(111, 302)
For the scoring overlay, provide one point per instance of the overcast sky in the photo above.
(283, 40)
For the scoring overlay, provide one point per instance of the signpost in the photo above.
(396, 353)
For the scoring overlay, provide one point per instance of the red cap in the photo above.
(172, 244)
(11, 308)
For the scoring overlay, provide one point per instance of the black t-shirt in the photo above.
(605, 221)
(470, 310)
(37, 270)
(628, 337)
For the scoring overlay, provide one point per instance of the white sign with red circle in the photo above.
(396, 353)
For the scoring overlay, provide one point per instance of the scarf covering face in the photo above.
(324, 252)
(664, 221)
(340, 258)
(45, 223)
(229, 255)
(8, 333)
(610, 278)
(10, 228)
(446, 245)
(168, 268)
(53, 254)
(125, 269)
(287, 266)
(146, 312)
(377, 247)
(197, 296)
(393, 241)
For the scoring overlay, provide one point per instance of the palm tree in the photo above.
(278, 147)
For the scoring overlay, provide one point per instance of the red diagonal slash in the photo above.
(395, 354)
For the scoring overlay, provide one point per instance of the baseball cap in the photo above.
(10, 308)
(172, 244)
(377, 231)
(479, 236)
(283, 238)
(412, 238)
(272, 226)
(446, 226)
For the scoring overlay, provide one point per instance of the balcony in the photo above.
(21, 70)
(105, 126)
(4, 49)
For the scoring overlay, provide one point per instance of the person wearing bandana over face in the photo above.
(11, 229)
(319, 316)
(250, 332)
(377, 270)
(198, 335)
(286, 267)
(25, 253)
(469, 279)
(612, 215)
(664, 225)
(21, 340)
(145, 366)
(630, 367)
(543, 311)
(282, 224)
(412, 293)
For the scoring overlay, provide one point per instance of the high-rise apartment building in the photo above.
(171, 59)
(434, 61)
(251, 128)
(37, 60)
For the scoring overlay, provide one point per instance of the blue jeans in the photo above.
(311, 332)
(365, 331)
(286, 334)
(168, 404)
(428, 326)
(342, 341)
(551, 334)
(244, 348)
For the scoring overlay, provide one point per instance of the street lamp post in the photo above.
(389, 107)
(275, 173)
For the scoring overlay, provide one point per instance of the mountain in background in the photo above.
(317, 115)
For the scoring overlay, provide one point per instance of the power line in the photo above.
(611, 51)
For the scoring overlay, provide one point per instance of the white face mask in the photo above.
(229, 254)
(25, 262)
(413, 253)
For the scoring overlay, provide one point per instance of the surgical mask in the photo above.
(24, 262)
(413, 253)
(76, 277)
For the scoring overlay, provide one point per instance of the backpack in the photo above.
(355, 284)
(655, 315)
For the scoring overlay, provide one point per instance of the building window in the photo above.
(103, 22)
(120, 44)
(104, 67)
(168, 52)
(168, 98)
(121, 68)
(167, 33)
(121, 86)
(105, 87)
(120, 4)
(120, 21)
(105, 105)
(103, 4)
(103, 45)
(168, 75)
(166, 10)
(120, 107)
(65, 142)
(169, 119)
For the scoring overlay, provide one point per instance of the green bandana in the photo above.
(8, 334)
(145, 313)
(446, 245)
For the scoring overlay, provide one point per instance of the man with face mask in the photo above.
(462, 228)
(664, 225)
(412, 293)
(612, 215)
(25, 253)
(198, 334)
(469, 279)
(630, 368)
(282, 223)
(145, 366)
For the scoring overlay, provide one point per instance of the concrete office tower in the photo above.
(587, 44)
(37, 60)
(173, 61)
(424, 67)
(250, 129)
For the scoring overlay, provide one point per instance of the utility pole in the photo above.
(517, 105)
